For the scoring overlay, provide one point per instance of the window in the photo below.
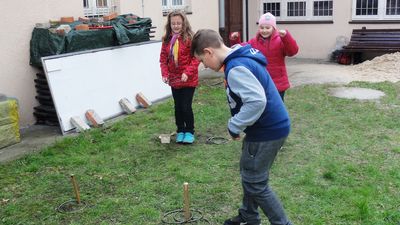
(369, 7)
(93, 8)
(393, 7)
(101, 3)
(170, 5)
(273, 7)
(85, 4)
(323, 8)
(376, 9)
(295, 10)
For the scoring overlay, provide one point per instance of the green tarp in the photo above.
(45, 43)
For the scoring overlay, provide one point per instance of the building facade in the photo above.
(318, 25)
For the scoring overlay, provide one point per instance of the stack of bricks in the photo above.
(94, 118)
(79, 124)
(142, 100)
(127, 106)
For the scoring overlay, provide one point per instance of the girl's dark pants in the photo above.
(184, 118)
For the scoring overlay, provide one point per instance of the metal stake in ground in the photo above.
(186, 202)
(76, 189)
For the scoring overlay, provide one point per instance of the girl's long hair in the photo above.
(187, 32)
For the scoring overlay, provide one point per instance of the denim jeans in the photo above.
(255, 163)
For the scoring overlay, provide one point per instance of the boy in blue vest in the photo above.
(257, 110)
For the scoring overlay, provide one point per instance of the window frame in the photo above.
(171, 5)
(381, 16)
(309, 11)
(92, 10)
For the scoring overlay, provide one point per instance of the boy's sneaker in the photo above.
(179, 137)
(189, 138)
(237, 220)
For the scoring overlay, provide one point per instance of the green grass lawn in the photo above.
(340, 165)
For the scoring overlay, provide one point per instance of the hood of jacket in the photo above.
(246, 52)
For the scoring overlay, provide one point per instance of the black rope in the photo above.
(178, 218)
(217, 140)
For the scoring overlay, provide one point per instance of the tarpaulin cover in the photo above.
(45, 43)
(9, 123)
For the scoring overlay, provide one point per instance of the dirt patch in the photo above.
(311, 71)
(382, 68)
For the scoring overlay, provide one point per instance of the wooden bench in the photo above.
(380, 41)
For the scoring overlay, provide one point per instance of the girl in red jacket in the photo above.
(180, 70)
(275, 45)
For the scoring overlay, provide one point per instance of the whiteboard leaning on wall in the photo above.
(98, 79)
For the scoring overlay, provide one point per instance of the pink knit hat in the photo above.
(267, 19)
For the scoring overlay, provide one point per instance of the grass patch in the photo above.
(340, 165)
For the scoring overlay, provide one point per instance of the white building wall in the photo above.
(204, 14)
(16, 75)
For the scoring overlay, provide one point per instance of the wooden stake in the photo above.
(76, 190)
(186, 202)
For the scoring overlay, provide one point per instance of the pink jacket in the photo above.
(275, 49)
(186, 64)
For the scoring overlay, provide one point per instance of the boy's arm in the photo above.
(245, 85)
(290, 45)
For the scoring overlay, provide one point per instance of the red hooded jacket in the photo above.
(275, 49)
(186, 64)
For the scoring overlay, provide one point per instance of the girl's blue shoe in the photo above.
(189, 138)
(179, 137)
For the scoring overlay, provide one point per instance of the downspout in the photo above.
(247, 20)
(142, 8)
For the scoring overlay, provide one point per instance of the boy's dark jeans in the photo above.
(184, 118)
(255, 163)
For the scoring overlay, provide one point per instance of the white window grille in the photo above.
(299, 10)
(376, 10)
(393, 7)
(323, 8)
(272, 7)
(296, 9)
(93, 8)
(171, 5)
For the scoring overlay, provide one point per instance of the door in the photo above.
(233, 19)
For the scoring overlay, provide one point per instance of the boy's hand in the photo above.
(282, 33)
(184, 77)
(233, 135)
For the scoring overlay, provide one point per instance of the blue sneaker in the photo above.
(189, 138)
(179, 137)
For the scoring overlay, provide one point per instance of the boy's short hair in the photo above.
(205, 38)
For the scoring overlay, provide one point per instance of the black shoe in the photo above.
(237, 220)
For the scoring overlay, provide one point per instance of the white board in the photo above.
(98, 79)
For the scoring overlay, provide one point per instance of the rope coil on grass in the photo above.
(71, 206)
(217, 140)
(177, 217)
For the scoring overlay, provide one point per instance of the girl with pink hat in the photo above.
(275, 45)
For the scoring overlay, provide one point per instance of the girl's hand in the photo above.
(165, 80)
(234, 35)
(282, 33)
(184, 77)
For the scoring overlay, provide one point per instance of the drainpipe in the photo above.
(247, 20)
(142, 8)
